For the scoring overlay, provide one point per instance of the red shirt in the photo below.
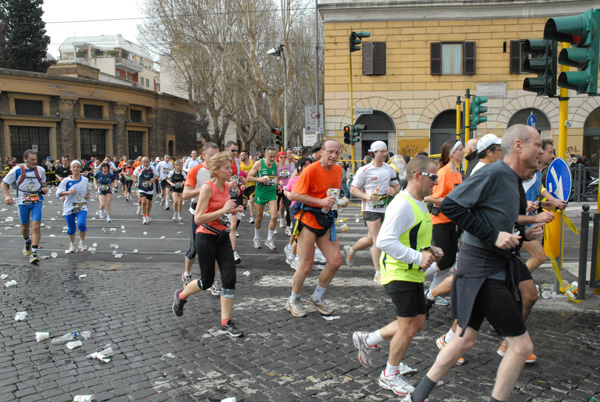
(216, 202)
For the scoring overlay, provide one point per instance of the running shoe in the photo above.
(441, 343)
(186, 279)
(395, 383)
(440, 301)
(162, 201)
(144, 221)
(71, 249)
(321, 306)
(295, 263)
(275, 231)
(349, 256)
(27, 249)
(107, 218)
(82, 246)
(237, 234)
(319, 257)
(179, 218)
(33, 258)
(178, 304)
(148, 219)
(532, 358)
(167, 207)
(364, 350)
(288, 254)
(139, 211)
(101, 212)
(214, 290)
(251, 220)
(270, 244)
(295, 308)
(288, 231)
(127, 198)
(257, 243)
(406, 369)
(230, 329)
(236, 257)
(281, 224)
(428, 305)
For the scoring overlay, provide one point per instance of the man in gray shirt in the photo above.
(486, 207)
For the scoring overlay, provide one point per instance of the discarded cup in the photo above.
(10, 283)
(3, 276)
(162, 237)
(82, 276)
(115, 246)
(247, 273)
(54, 254)
(86, 335)
(120, 255)
(103, 355)
(169, 355)
(345, 227)
(84, 398)
(145, 233)
(135, 251)
(73, 345)
(231, 399)
(65, 338)
(92, 250)
(122, 226)
(20, 316)
(95, 245)
(41, 336)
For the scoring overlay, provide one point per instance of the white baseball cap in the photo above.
(486, 141)
(378, 146)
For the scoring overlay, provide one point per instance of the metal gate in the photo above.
(23, 138)
(136, 139)
(93, 143)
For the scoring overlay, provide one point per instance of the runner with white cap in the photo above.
(488, 151)
(375, 183)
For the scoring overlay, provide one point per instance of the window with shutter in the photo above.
(436, 58)
(374, 58)
(469, 58)
(515, 56)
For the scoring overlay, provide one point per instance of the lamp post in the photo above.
(280, 52)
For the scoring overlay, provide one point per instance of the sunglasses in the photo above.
(432, 176)
(233, 150)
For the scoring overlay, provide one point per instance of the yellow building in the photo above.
(422, 55)
(70, 112)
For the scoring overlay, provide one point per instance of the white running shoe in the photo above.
(395, 383)
(101, 212)
(295, 263)
(82, 246)
(236, 257)
(281, 224)
(71, 249)
(319, 257)
(144, 221)
(257, 244)
(364, 350)
(406, 369)
(288, 254)
(349, 256)
(251, 220)
(179, 218)
(174, 217)
(288, 231)
(107, 218)
(270, 244)
(139, 211)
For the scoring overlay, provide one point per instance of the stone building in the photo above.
(422, 55)
(74, 114)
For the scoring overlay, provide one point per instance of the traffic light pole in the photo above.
(351, 112)
(563, 113)
(467, 114)
(458, 118)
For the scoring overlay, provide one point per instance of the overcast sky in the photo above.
(105, 17)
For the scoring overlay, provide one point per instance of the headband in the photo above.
(75, 162)
(456, 144)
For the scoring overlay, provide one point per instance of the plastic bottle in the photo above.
(345, 227)
(65, 338)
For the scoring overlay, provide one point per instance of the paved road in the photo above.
(127, 302)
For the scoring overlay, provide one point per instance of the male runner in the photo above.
(163, 168)
(30, 182)
(374, 183)
(264, 173)
(63, 170)
(405, 239)
(246, 165)
(315, 190)
(237, 193)
(145, 176)
(191, 162)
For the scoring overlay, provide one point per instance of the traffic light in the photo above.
(277, 134)
(543, 63)
(356, 39)
(347, 133)
(582, 31)
(477, 110)
(355, 131)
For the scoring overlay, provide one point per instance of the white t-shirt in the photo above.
(479, 165)
(202, 177)
(369, 178)
(190, 163)
(164, 168)
(148, 174)
(73, 202)
(30, 187)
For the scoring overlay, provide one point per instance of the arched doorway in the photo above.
(542, 125)
(380, 127)
(170, 147)
(591, 138)
(442, 129)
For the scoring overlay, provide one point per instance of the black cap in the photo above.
(317, 147)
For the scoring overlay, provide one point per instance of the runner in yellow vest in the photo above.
(405, 242)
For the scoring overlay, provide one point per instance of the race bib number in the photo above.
(147, 185)
(104, 187)
(30, 198)
(381, 202)
(271, 181)
(178, 184)
(78, 207)
(284, 174)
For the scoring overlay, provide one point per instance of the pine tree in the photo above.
(24, 42)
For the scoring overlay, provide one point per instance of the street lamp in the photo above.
(279, 52)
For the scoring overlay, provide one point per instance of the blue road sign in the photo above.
(532, 120)
(558, 180)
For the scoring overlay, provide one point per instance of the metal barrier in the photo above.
(594, 271)
(582, 190)
(583, 250)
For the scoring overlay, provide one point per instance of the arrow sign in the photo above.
(558, 180)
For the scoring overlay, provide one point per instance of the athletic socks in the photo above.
(181, 298)
(390, 370)
(319, 292)
(373, 339)
(288, 246)
(351, 250)
(34, 249)
(429, 296)
(256, 233)
(423, 389)
(270, 235)
(294, 297)
(449, 335)
(225, 321)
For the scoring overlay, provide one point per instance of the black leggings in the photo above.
(445, 236)
(211, 248)
(286, 205)
(127, 185)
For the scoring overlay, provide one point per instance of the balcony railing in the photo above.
(129, 65)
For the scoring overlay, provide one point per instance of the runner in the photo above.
(63, 171)
(237, 193)
(30, 183)
(176, 180)
(486, 207)
(191, 162)
(264, 173)
(284, 172)
(246, 165)
(103, 181)
(405, 239)
(145, 176)
(315, 191)
(164, 168)
(212, 238)
(127, 176)
(197, 176)
(375, 183)
(76, 192)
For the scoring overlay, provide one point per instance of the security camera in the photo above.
(272, 51)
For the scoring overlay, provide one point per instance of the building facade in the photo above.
(118, 59)
(421, 56)
(79, 116)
